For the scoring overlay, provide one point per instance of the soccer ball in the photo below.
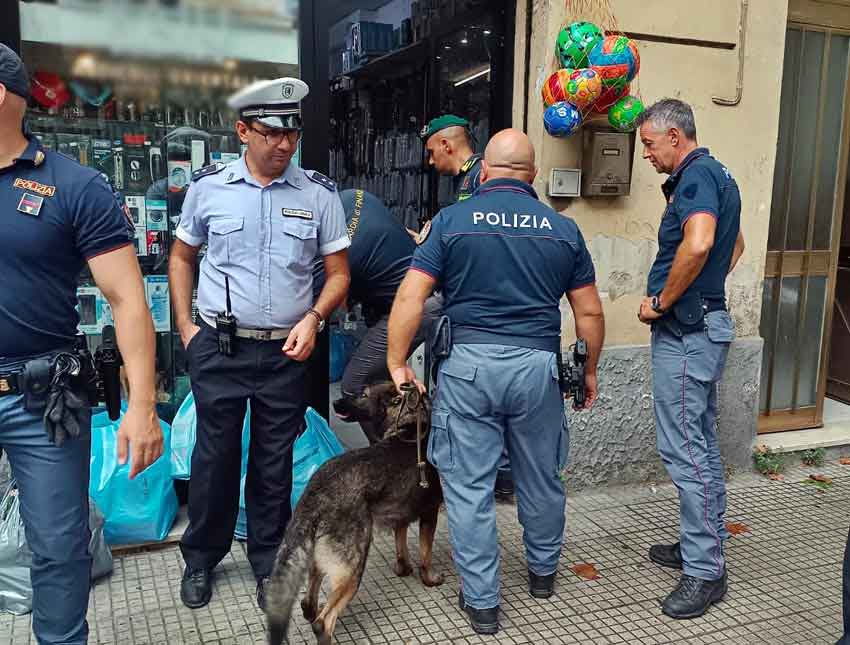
(575, 42)
(583, 88)
(555, 87)
(561, 119)
(624, 113)
(616, 60)
(609, 96)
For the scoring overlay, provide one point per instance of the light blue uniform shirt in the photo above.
(265, 239)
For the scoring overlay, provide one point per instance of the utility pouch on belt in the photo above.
(35, 383)
(689, 312)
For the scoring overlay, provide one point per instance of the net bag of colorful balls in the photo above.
(594, 79)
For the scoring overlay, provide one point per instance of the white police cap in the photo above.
(273, 103)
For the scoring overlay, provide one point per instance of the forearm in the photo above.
(136, 341)
(591, 327)
(181, 279)
(405, 318)
(687, 265)
(333, 294)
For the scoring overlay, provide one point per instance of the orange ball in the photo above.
(555, 87)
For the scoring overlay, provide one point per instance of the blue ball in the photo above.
(561, 119)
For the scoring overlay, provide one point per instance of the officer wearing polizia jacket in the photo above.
(503, 261)
(699, 242)
(57, 217)
(264, 221)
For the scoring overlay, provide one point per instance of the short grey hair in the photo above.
(670, 113)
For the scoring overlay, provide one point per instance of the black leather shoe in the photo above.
(261, 593)
(196, 588)
(541, 586)
(484, 621)
(504, 486)
(693, 596)
(667, 555)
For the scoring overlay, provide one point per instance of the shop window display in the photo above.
(147, 112)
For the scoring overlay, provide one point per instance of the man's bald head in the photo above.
(509, 155)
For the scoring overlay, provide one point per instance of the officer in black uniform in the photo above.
(379, 256)
(57, 217)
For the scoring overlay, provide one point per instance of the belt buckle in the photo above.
(264, 334)
(5, 386)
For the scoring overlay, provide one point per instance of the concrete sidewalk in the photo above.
(784, 572)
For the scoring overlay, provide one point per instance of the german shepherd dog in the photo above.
(331, 528)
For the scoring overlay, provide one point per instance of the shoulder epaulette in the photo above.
(212, 169)
(319, 178)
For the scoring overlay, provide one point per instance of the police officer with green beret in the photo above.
(448, 139)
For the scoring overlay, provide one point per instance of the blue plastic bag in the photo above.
(138, 510)
(342, 349)
(183, 438)
(314, 447)
(241, 532)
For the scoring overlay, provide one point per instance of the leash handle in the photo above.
(423, 480)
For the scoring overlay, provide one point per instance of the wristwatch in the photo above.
(318, 317)
(656, 305)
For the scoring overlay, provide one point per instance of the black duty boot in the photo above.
(667, 555)
(541, 586)
(196, 588)
(484, 621)
(693, 596)
(261, 593)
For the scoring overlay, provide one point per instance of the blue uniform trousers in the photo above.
(685, 371)
(53, 488)
(490, 397)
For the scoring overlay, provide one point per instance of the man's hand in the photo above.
(591, 386)
(140, 431)
(405, 374)
(187, 333)
(302, 339)
(647, 314)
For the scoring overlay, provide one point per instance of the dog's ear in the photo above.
(381, 391)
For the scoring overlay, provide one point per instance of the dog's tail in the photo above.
(293, 561)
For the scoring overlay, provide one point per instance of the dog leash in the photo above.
(409, 390)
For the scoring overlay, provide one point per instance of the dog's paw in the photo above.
(402, 569)
(429, 579)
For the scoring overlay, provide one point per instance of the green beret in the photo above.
(441, 123)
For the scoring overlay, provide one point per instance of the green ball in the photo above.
(575, 42)
(623, 115)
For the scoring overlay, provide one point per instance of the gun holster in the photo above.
(439, 344)
(35, 382)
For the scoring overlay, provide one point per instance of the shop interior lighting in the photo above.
(472, 77)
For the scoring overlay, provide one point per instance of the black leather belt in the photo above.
(713, 305)
(9, 384)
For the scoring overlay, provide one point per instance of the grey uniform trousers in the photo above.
(685, 372)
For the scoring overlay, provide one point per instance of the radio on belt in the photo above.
(607, 163)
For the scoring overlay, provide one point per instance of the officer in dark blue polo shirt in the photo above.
(379, 257)
(503, 261)
(699, 243)
(58, 216)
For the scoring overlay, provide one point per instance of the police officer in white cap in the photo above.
(264, 221)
